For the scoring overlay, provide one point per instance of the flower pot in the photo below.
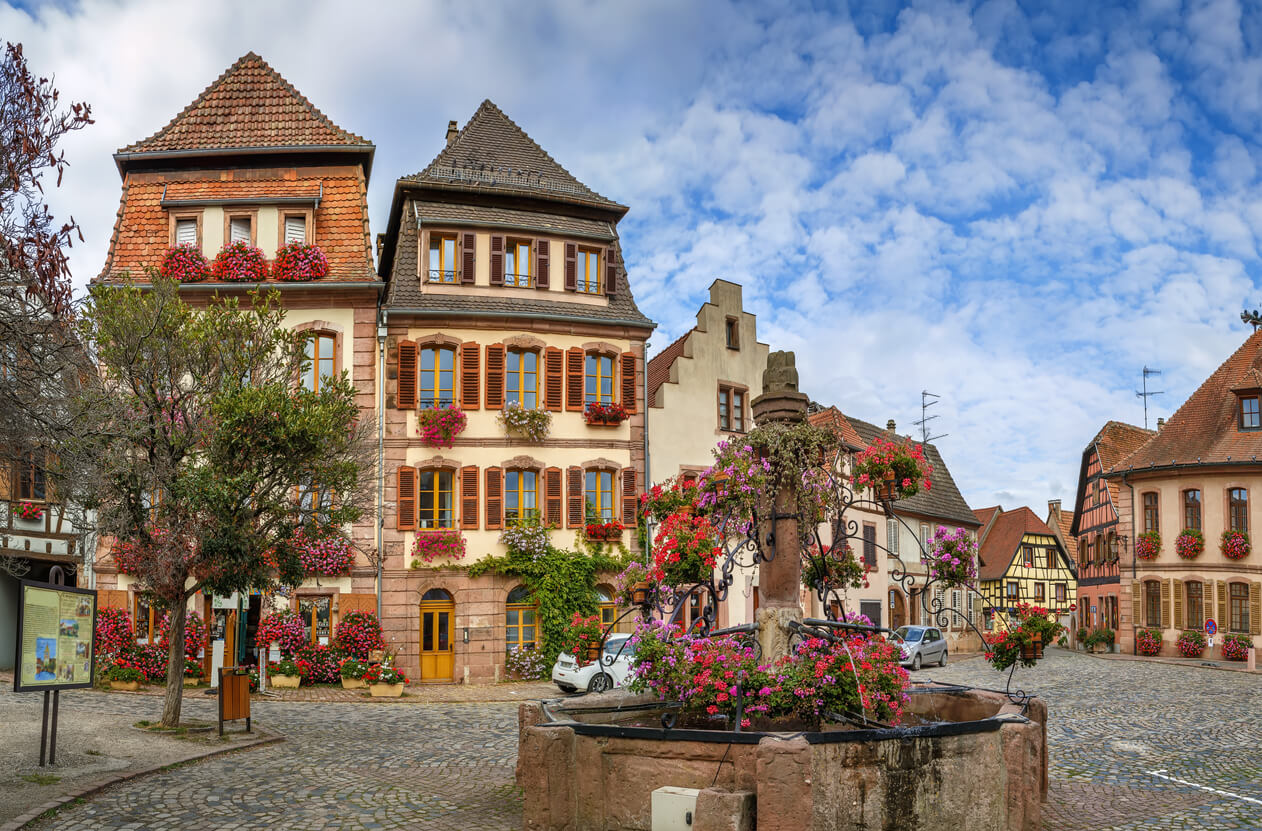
(640, 593)
(386, 690)
(192, 681)
(1034, 650)
(593, 653)
(129, 686)
(353, 683)
(1099, 647)
(376, 656)
(1038, 647)
(285, 682)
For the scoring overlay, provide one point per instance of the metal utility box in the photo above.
(674, 809)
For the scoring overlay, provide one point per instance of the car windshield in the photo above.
(614, 644)
(911, 634)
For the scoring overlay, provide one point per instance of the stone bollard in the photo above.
(1252, 660)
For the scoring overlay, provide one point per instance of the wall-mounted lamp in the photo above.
(466, 634)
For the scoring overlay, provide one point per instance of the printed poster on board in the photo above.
(55, 637)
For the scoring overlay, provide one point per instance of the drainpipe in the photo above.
(648, 480)
(1134, 532)
(381, 453)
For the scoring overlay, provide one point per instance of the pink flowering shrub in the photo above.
(436, 545)
(952, 557)
(328, 555)
(319, 664)
(1236, 647)
(150, 659)
(439, 426)
(359, 633)
(239, 262)
(287, 629)
(1148, 641)
(114, 633)
(186, 263)
(299, 262)
(196, 637)
(1191, 643)
(1235, 544)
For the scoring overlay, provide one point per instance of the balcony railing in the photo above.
(521, 281)
(439, 276)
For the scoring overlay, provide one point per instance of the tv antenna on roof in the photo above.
(1146, 394)
(925, 418)
(1252, 318)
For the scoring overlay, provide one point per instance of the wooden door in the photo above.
(898, 609)
(437, 640)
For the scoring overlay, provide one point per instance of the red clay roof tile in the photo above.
(1001, 541)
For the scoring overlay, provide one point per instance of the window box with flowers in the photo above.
(1189, 544)
(285, 674)
(527, 423)
(435, 546)
(384, 681)
(1236, 647)
(1148, 545)
(1148, 641)
(439, 426)
(299, 262)
(1235, 544)
(239, 262)
(185, 263)
(1191, 643)
(30, 511)
(604, 531)
(893, 469)
(604, 415)
(352, 671)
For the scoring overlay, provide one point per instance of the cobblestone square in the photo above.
(1133, 745)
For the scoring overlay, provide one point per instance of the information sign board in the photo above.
(55, 645)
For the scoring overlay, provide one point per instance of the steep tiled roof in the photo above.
(660, 364)
(985, 515)
(1117, 440)
(142, 234)
(250, 105)
(484, 216)
(832, 418)
(943, 500)
(491, 153)
(1000, 543)
(1205, 429)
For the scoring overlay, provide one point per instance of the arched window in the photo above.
(608, 609)
(519, 620)
(434, 499)
(437, 387)
(521, 378)
(521, 495)
(599, 494)
(1151, 518)
(1238, 508)
(1192, 509)
(320, 355)
(598, 379)
(436, 595)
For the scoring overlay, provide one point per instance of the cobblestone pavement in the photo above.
(1117, 730)
(414, 694)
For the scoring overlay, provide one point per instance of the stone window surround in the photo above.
(230, 213)
(325, 327)
(174, 216)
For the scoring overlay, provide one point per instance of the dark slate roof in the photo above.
(454, 213)
(491, 153)
(943, 500)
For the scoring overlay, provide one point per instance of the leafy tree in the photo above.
(204, 444)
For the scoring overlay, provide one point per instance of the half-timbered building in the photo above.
(1022, 561)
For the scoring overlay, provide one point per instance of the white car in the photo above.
(613, 670)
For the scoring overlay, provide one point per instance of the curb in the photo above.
(21, 821)
(1173, 662)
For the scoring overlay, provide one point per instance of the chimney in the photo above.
(889, 425)
(451, 132)
(1161, 422)
(1053, 507)
(381, 242)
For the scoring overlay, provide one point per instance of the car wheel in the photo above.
(601, 682)
(915, 662)
(942, 660)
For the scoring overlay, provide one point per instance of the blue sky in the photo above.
(1012, 207)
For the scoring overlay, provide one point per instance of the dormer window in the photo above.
(517, 264)
(442, 258)
(240, 227)
(1250, 417)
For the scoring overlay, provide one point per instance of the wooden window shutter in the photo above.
(611, 273)
(1165, 603)
(554, 379)
(1178, 604)
(469, 498)
(470, 382)
(405, 484)
(1255, 608)
(494, 497)
(553, 502)
(407, 375)
(497, 260)
(1224, 621)
(630, 498)
(356, 602)
(541, 264)
(574, 379)
(571, 267)
(113, 599)
(575, 515)
(468, 264)
(494, 376)
(627, 380)
(1137, 602)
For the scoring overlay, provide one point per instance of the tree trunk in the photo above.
(175, 665)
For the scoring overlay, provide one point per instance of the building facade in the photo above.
(506, 288)
(1198, 472)
(1022, 561)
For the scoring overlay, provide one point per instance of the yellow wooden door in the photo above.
(437, 648)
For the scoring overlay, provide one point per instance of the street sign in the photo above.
(1073, 607)
(1211, 628)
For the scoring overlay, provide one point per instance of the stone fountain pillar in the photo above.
(779, 581)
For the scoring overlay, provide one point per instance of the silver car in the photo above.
(920, 645)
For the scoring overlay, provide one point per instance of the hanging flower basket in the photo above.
(298, 262)
(582, 638)
(239, 262)
(1148, 641)
(606, 415)
(528, 424)
(685, 550)
(1235, 544)
(439, 426)
(836, 567)
(604, 531)
(1236, 647)
(186, 263)
(1191, 644)
(1148, 545)
(1189, 544)
(894, 469)
(330, 556)
(30, 511)
(631, 586)
(952, 558)
(436, 545)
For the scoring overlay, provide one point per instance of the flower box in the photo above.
(299, 262)
(285, 682)
(30, 511)
(386, 690)
(185, 263)
(239, 262)
(192, 680)
(127, 686)
(532, 425)
(353, 683)
(604, 531)
(437, 544)
(439, 426)
(1099, 647)
(604, 415)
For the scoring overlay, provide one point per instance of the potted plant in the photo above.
(526, 663)
(1082, 636)
(607, 415)
(632, 585)
(300, 262)
(1191, 643)
(286, 629)
(192, 672)
(439, 426)
(30, 511)
(896, 469)
(529, 424)
(1148, 641)
(239, 262)
(1236, 647)
(833, 568)
(352, 671)
(1148, 545)
(285, 674)
(1189, 544)
(384, 681)
(437, 545)
(123, 676)
(1043, 628)
(952, 558)
(582, 638)
(358, 634)
(1235, 545)
(1105, 636)
(186, 263)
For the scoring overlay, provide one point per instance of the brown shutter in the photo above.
(405, 484)
(494, 376)
(112, 599)
(6, 480)
(611, 273)
(494, 497)
(1178, 604)
(1137, 602)
(356, 602)
(468, 271)
(574, 498)
(541, 264)
(470, 382)
(497, 260)
(571, 267)
(553, 379)
(627, 376)
(630, 498)
(553, 503)
(1255, 608)
(407, 375)
(469, 498)
(574, 379)
(1165, 603)
(1224, 620)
